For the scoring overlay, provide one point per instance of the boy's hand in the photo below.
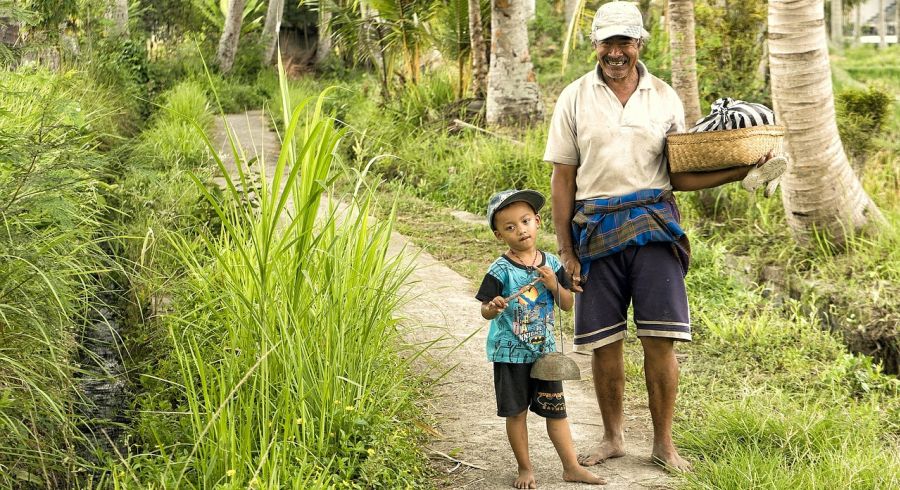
(497, 304)
(548, 277)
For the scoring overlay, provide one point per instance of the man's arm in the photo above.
(562, 195)
(694, 181)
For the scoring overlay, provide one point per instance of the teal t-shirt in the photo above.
(525, 328)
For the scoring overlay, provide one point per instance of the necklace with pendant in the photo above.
(531, 267)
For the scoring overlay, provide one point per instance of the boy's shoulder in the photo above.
(552, 260)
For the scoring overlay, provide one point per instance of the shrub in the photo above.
(861, 115)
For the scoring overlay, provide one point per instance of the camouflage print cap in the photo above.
(504, 198)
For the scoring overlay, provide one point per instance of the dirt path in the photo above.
(443, 308)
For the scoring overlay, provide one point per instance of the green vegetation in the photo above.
(263, 351)
(282, 344)
(51, 180)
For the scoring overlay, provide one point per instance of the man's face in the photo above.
(618, 56)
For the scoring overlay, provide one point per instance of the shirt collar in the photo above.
(644, 82)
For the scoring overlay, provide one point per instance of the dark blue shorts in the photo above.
(651, 278)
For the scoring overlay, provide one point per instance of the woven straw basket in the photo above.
(714, 150)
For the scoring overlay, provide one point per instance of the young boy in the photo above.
(521, 329)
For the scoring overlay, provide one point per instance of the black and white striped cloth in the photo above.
(727, 113)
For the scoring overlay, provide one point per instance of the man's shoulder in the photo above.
(661, 85)
(577, 85)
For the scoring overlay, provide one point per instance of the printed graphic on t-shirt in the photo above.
(533, 312)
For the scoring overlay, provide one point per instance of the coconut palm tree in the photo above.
(684, 57)
(451, 33)
(117, 13)
(228, 43)
(512, 94)
(271, 28)
(323, 46)
(479, 52)
(882, 25)
(820, 190)
(837, 22)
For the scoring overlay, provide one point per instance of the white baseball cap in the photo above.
(618, 19)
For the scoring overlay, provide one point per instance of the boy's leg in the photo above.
(517, 433)
(561, 435)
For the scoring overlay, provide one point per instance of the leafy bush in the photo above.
(729, 50)
(861, 115)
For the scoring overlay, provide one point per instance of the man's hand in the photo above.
(573, 268)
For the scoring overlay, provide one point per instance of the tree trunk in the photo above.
(228, 43)
(271, 29)
(530, 9)
(882, 25)
(571, 7)
(819, 190)
(323, 47)
(479, 53)
(512, 94)
(837, 22)
(857, 24)
(684, 57)
(117, 13)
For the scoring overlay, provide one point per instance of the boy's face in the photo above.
(517, 225)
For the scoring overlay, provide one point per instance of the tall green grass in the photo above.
(284, 346)
(51, 208)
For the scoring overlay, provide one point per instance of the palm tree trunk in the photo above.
(323, 46)
(479, 52)
(882, 25)
(228, 43)
(117, 14)
(837, 22)
(271, 29)
(684, 57)
(513, 95)
(819, 190)
(857, 24)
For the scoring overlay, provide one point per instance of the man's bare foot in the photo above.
(607, 449)
(582, 475)
(670, 460)
(525, 480)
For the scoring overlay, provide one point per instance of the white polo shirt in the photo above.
(618, 150)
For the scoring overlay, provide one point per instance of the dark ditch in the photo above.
(103, 382)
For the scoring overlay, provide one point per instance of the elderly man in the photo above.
(617, 225)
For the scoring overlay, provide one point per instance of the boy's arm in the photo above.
(490, 309)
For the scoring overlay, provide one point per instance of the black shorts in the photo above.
(649, 277)
(516, 390)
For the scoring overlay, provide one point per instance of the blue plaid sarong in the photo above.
(602, 227)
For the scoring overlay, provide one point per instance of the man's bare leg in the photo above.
(661, 372)
(517, 433)
(608, 366)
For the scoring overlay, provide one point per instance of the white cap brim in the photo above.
(635, 32)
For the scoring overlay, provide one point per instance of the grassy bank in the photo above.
(273, 338)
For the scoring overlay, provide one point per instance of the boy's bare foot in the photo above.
(669, 459)
(607, 449)
(582, 475)
(525, 480)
